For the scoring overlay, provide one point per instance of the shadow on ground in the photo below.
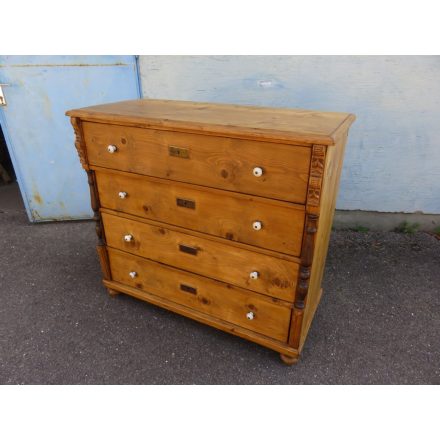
(378, 322)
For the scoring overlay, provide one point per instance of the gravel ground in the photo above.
(378, 322)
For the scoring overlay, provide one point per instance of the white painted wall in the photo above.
(392, 162)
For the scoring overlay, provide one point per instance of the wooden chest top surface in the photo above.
(276, 124)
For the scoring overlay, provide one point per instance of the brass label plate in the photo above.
(181, 152)
(188, 289)
(185, 203)
(188, 249)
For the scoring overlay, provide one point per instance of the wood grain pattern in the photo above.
(275, 124)
(216, 162)
(214, 238)
(220, 213)
(220, 261)
(270, 317)
(203, 318)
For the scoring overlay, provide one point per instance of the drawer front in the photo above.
(219, 213)
(251, 270)
(217, 162)
(237, 306)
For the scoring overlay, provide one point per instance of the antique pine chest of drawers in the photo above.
(221, 213)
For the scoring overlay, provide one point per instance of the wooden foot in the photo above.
(289, 360)
(112, 292)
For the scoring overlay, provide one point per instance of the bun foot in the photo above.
(289, 360)
(112, 292)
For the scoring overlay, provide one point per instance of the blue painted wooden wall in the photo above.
(392, 162)
(39, 136)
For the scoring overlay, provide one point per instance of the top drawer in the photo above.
(219, 162)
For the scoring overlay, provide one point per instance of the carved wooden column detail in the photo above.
(94, 196)
(316, 174)
(302, 287)
(317, 164)
(306, 261)
(79, 143)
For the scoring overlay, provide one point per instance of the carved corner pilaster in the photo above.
(302, 287)
(317, 165)
(313, 201)
(79, 142)
(306, 260)
(94, 201)
(316, 175)
(94, 196)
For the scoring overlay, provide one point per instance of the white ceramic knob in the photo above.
(257, 172)
(133, 274)
(122, 194)
(128, 237)
(250, 315)
(257, 225)
(254, 275)
(112, 148)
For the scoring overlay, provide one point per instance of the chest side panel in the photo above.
(328, 197)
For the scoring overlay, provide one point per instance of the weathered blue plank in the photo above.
(39, 135)
(64, 60)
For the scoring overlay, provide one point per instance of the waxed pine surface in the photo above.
(378, 321)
